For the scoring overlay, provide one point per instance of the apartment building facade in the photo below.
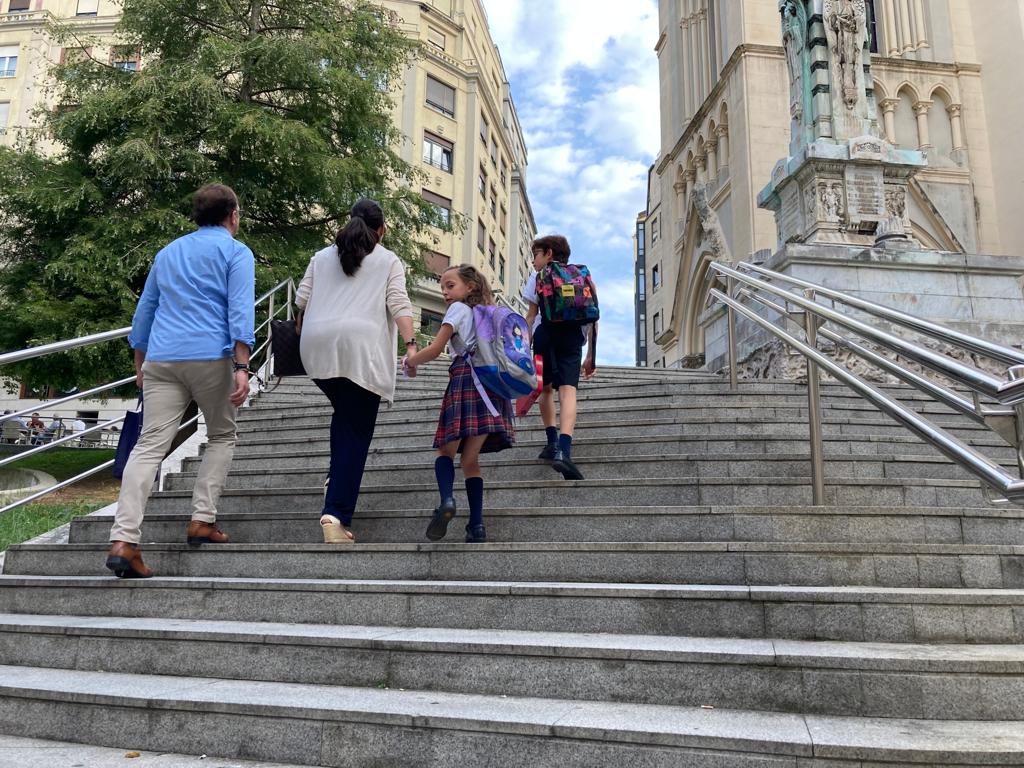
(942, 82)
(455, 110)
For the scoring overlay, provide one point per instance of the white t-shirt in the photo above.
(529, 293)
(460, 317)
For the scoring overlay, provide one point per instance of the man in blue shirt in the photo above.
(192, 334)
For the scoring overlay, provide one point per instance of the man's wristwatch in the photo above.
(411, 343)
(240, 367)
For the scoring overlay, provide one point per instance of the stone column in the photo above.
(889, 20)
(711, 148)
(957, 125)
(722, 133)
(906, 36)
(684, 43)
(920, 27)
(889, 118)
(690, 177)
(921, 111)
(680, 190)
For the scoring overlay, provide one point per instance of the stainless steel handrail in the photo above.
(980, 346)
(288, 285)
(748, 283)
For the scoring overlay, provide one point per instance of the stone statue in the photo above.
(847, 19)
(831, 196)
(793, 41)
(709, 222)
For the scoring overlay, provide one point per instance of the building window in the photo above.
(501, 270)
(655, 230)
(436, 262)
(481, 235)
(125, 57)
(5, 115)
(8, 60)
(492, 251)
(655, 277)
(504, 171)
(657, 324)
(438, 152)
(482, 182)
(872, 18)
(485, 129)
(19, 5)
(494, 152)
(442, 205)
(88, 7)
(430, 322)
(494, 202)
(502, 219)
(436, 38)
(440, 96)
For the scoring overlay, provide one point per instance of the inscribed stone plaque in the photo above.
(865, 193)
(790, 218)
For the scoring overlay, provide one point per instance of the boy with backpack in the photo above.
(562, 315)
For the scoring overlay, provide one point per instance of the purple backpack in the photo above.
(502, 361)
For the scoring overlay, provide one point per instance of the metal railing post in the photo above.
(270, 330)
(733, 378)
(814, 410)
(289, 290)
(1013, 374)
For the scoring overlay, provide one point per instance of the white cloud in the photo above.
(585, 80)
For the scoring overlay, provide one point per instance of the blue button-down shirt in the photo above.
(198, 299)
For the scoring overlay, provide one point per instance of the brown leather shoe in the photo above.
(205, 533)
(125, 560)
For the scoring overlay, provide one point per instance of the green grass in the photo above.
(27, 522)
(63, 463)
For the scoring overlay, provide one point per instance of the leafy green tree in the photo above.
(286, 102)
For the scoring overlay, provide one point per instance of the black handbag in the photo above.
(284, 344)
(131, 428)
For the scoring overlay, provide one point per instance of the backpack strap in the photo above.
(479, 386)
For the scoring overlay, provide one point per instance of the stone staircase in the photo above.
(684, 605)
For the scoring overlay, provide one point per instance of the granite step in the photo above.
(622, 491)
(857, 614)
(831, 678)
(305, 471)
(351, 726)
(299, 453)
(816, 564)
(924, 525)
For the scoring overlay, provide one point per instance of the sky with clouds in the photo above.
(584, 78)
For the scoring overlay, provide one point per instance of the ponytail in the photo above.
(359, 236)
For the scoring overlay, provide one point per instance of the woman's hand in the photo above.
(408, 370)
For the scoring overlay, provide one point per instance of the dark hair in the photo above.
(479, 290)
(359, 236)
(557, 244)
(212, 204)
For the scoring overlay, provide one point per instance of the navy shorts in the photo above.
(561, 347)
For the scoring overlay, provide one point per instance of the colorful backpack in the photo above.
(502, 361)
(566, 294)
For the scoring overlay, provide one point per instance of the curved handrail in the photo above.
(747, 282)
(62, 346)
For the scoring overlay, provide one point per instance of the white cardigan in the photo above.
(349, 328)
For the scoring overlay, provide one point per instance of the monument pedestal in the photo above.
(851, 194)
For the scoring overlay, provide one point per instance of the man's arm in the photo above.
(242, 317)
(590, 364)
(531, 313)
(142, 321)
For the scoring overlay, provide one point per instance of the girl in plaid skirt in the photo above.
(465, 425)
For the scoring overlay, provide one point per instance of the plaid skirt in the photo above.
(464, 413)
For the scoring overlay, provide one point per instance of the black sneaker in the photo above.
(547, 452)
(439, 522)
(475, 534)
(562, 463)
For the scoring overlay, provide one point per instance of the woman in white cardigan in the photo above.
(354, 300)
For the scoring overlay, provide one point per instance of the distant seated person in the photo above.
(36, 424)
(78, 425)
(17, 419)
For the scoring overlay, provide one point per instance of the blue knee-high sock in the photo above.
(475, 492)
(565, 443)
(552, 434)
(444, 471)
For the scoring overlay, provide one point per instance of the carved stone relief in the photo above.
(831, 197)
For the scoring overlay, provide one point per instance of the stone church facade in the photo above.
(942, 86)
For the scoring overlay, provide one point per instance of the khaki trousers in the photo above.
(167, 390)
